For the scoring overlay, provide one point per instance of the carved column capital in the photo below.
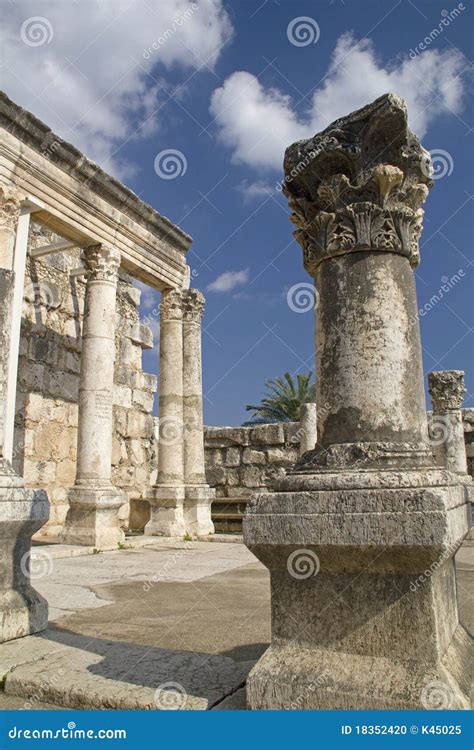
(446, 389)
(171, 305)
(102, 263)
(359, 185)
(10, 205)
(193, 305)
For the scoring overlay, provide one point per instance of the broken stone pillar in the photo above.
(359, 538)
(167, 496)
(92, 518)
(308, 427)
(22, 512)
(199, 496)
(446, 428)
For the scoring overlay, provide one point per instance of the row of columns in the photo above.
(181, 499)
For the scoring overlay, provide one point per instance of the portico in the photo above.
(44, 177)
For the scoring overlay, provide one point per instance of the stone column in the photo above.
(360, 536)
(308, 429)
(92, 518)
(22, 512)
(199, 496)
(446, 428)
(167, 497)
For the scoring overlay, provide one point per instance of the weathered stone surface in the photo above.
(360, 536)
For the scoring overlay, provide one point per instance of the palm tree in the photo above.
(283, 399)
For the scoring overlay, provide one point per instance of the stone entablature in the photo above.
(79, 201)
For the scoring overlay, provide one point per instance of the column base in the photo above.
(92, 518)
(364, 607)
(167, 511)
(23, 512)
(197, 509)
(301, 678)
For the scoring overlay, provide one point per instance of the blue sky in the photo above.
(226, 87)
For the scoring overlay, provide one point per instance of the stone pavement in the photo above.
(123, 623)
(192, 617)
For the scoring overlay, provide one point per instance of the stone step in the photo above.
(100, 674)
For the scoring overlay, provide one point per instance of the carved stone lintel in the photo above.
(171, 306)
(193, 305)
(446, 389)
(102, 263)
(359, 185)
(10, 204)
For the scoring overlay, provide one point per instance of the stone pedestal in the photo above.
(92, 518)
(167, 497)
(199, 496)
(22, 512)
(359, 538)
(308, 427)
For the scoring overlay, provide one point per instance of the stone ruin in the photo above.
(349, 515)
(348, 534)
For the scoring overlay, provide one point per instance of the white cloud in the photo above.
(89, 79)
(229, 280)
(257, 189)
(259, 123)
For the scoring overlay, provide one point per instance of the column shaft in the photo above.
(199, 495)
(94, 502)
(167, 515)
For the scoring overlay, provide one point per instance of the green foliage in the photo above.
(283, 398)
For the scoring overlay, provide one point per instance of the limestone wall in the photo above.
(243, 460)
(48, 381)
